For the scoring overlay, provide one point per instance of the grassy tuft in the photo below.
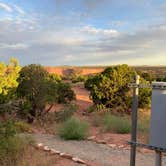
(74, 129)
(22, 127)
(12, 146)
(112, 123)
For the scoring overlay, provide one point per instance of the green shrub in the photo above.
(80, 78)
(12, 147)
(22, 127)
(116, 124)
(74, 129)
(7, 129)
(110, 88)
(38, 89)
(65, 93)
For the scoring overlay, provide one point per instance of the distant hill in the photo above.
(83, 70)
(87, 70)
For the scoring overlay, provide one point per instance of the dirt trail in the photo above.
(82, 97)
(99, 154)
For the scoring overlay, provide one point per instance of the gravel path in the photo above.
(96, 153)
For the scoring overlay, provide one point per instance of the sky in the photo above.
(83, 32)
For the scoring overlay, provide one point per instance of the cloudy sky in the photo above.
(83, 32)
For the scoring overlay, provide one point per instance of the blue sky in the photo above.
(83, 32)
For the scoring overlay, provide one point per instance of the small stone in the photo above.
(39, 146)
(68, 156)
(78, 160)
(57, 152)
(91, 138)
(53, 151)
(46, 148)
(121, 146)
(112, 145)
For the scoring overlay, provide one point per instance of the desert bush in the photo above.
(110, 88)
(79, 78)
(12, 146)
(74, 129)
(22, 126)
(55, 77)
(65, 93)
(116, 124)
(37, 88)
(8, 80)
(98, 108)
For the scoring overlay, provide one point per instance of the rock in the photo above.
(91, 138)
(53, 151)
(112, 145)
(121, 146)
(78, 160)
(46, 148)
(68, 156)
(39, 146)
(57, 152)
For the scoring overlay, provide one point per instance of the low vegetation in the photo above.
(112, 123)
(12, 146)
(22, 127)
(74, 129)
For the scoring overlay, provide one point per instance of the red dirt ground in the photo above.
(83, 102)
(65, 70)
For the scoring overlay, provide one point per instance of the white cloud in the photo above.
(54, 41)
(99, 31)
(6, 7)
(17, 46)
(19, 10)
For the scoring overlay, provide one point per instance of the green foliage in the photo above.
(79, 78)
(147, 76)
(74, 129)
(22, 126)
(116, 124)
(38, 88)
(12, 147)
(144, 95)
(110, 89)
(7, 129)
(55, 77)
(8, 80)
(66, 94)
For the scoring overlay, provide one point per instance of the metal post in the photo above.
(134, 121)
(158, 161)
